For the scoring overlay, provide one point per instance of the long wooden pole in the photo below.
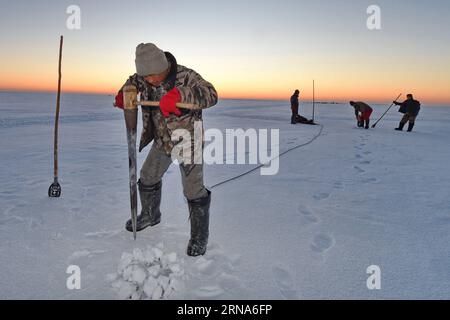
(314, 100)
(58, 99)
(55, 189)
(375, 124)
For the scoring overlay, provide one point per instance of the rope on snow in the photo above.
(262, 165)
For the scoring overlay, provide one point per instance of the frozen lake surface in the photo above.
(349, 200)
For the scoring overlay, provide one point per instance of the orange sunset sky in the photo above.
(262, 51)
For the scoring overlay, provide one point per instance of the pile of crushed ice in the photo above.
(148, 274)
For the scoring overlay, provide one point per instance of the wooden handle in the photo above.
(129, 97)
(131, 102)
(179, 105)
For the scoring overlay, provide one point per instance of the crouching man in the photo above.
(160, 78)
(362, 112)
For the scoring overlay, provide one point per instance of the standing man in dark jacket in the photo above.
(410, 108)
(296, 118)
(160, 78)
(294, 106)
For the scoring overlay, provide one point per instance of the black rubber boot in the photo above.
(400, 126)
(150, 201)
(199, 217)
(360, 124)
(410, 127)
(367, 123)
(293, 120)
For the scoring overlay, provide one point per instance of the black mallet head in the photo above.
(55, 190)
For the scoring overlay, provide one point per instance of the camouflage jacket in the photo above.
(193, 89)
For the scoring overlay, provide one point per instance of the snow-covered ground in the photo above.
(349, 200)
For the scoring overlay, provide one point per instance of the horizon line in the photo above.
(320, 101)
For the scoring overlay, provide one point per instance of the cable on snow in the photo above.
(262, 165)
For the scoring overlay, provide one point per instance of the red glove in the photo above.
(168, 103)
(119, 101)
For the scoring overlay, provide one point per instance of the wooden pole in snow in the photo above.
(55, 189)
(314, 100)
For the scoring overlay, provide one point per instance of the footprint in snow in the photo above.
(359, 169)
(229, 282)
(358, 156)
(367, 152)
(443, 220)
(209, 292)
(308, 217)
(291, 141)
(370, 180)
(322, 243)
(84, 253)
(9, 192)
(321, 196)
(284, 281)
(215, 272)
(207, 267)
(366, 162)
(7, 210)
(75, 209)
(338, 185)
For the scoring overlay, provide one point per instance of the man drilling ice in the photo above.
(160, 78)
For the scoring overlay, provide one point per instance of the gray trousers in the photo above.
(408, 117)
(158, 162)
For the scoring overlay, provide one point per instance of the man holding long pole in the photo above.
(410, 108)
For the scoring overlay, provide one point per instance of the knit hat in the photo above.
(150, 60)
